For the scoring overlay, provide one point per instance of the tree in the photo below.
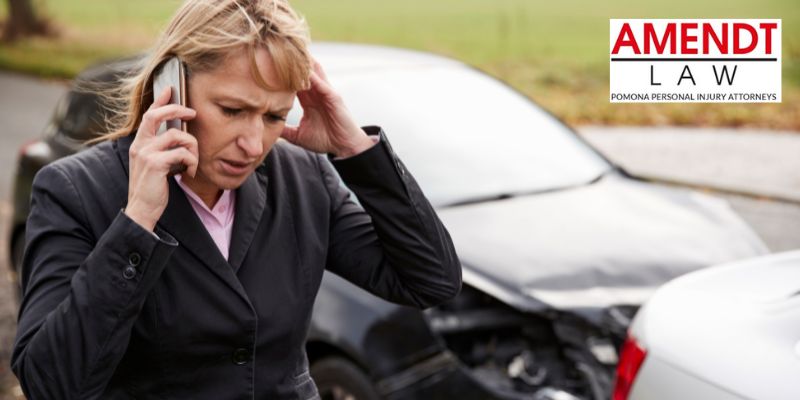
(23, 21)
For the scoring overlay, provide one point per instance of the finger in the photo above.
(305, 98)
(166, 160)
(173, 138)
(162, 98)
(153, 118)
(320, 87)
(318, 69)
(189, 142)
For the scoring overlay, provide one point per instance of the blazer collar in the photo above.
(180, 220)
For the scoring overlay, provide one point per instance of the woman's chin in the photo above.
(226, 181)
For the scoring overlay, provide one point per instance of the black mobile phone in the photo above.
(172, 73)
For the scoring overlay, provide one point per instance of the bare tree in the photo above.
(24, 21)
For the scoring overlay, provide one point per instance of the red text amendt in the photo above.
(696, 38)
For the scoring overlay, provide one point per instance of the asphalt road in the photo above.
(763, 166)
(763, 163)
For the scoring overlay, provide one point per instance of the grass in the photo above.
(556, 52)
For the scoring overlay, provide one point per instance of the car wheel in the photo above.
(340, 379)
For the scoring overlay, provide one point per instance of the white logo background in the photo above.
(636, 80)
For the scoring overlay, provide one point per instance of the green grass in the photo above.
(554, 51)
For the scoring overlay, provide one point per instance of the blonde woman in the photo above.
(139, 284)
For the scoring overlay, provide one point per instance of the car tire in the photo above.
(339, 379)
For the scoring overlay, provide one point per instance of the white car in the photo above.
(729, 332)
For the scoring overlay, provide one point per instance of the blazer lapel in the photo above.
(180, 220)
(251, 201)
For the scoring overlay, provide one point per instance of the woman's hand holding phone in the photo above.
(152, 157)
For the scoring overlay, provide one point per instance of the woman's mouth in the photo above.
(235, 167)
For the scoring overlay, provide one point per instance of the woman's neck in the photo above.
(206, 191)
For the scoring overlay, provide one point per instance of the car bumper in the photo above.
(659, 380)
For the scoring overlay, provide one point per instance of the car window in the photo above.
(464, 135)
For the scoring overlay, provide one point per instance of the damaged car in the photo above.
(559, 246)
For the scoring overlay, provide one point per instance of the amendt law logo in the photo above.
(695, 60)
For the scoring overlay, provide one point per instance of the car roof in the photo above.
(346, 57)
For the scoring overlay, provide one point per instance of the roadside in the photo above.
(25, 107)
(765, 163)
(9, 390)
(757, 171)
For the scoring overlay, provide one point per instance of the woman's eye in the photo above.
(231, 111)
(274, 118)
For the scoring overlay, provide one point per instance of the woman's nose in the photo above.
(250, 141)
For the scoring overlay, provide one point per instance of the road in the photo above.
(764, 163)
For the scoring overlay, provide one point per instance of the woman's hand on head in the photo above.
(152, 156)
(326, 126)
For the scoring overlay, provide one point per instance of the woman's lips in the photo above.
(235, 167)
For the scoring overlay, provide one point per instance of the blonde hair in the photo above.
(202, 33)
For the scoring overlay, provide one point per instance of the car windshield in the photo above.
(464, 135)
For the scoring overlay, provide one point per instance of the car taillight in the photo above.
(630, 360)
(25, 146)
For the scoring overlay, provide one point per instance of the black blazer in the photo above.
(110, 311)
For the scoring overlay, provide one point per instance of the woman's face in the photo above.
(237, 121)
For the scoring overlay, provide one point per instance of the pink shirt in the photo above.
(219, 220)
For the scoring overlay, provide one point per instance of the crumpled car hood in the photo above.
(609, 243)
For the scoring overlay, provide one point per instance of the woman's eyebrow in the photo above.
(250, 105)
(237, 100)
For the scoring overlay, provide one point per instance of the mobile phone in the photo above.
(172, 74)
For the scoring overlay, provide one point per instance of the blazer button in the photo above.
(240, 356)
(129, 272)
(134, 259)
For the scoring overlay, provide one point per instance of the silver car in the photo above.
(731, 332)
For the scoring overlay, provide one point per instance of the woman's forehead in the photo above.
(244, 64)
(234, 77)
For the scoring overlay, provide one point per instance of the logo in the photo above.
(695, 60)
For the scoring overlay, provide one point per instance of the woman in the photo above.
(200, 286)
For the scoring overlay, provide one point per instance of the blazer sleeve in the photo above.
(392, 244)
(81, 295)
